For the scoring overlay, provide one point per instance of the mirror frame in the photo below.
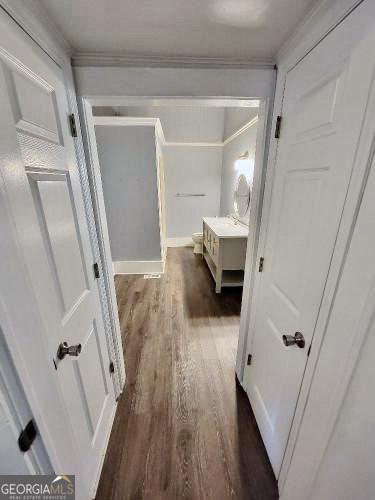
(241, 178)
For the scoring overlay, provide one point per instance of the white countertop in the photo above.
(225, 227)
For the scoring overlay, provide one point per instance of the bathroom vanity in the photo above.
(224, 250)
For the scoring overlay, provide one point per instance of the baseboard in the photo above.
(184, 241)
(138, 267)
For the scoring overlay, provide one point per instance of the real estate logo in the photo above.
(38, 487)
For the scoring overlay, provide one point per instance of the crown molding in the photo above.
(132, 121)
(143, 60)
(241, 130)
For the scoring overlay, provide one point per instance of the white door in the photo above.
(41, 191)
(324, 104)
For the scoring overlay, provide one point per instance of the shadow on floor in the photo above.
(200, 297)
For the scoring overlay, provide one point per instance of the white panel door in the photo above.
(324, 104)
(41, 190)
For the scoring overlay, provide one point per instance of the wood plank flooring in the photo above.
(183, 429)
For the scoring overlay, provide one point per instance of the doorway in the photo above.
(203, 167)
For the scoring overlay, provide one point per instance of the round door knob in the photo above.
(296, 339)
(70, 350)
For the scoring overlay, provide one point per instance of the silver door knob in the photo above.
(70, 350)
(296, 339)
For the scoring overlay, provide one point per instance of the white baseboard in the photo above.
(138, 267)
(184, 241)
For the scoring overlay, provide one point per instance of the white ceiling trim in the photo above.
(132, 121)
(135, 60)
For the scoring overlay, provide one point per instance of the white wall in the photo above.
(127, 157)
(191, 170)
(231, 152)
(93, 81)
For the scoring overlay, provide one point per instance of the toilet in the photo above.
(198, 242)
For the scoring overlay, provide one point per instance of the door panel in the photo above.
(54, 205)
(324, 104)
(43, 193)
(32, 100)
(91, 374)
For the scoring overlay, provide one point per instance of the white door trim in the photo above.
(99, 219)
(257, 204)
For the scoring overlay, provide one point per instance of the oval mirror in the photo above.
(241, 196)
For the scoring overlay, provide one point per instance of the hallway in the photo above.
(183, 428)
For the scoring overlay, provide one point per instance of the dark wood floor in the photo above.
(183, 428)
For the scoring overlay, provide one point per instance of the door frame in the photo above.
(86, 103)
(318, 25)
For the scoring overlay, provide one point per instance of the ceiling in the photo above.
(224, 29)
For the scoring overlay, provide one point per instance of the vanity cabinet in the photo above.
(224, 250)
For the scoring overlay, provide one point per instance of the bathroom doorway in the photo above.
(178, 173)
(178, 186)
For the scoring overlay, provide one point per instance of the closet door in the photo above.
(324, 104)
(63, 340)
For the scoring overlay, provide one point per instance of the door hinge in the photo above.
(309, 350)
(249, 359)
(111, 367)
(73, 126)
(261, 263)
(27, 436)
(96, 270)
(278, 127)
